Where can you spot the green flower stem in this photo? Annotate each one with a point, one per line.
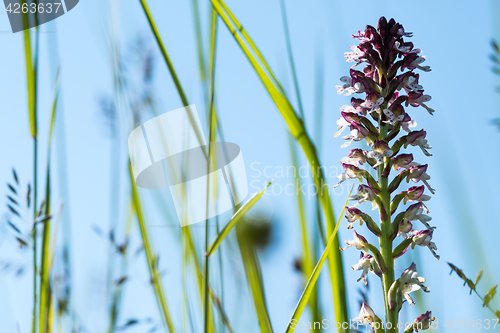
(391, 316)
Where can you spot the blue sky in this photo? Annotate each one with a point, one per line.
(455, 39)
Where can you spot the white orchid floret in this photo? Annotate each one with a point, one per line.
(415, 212)
(410, 281)
(355, 157)
(348, 109)
(366, 315)
(356, 55)
(409, 82)
(391, 117)
(364, 194)
(356, 88)
(416, 63)
(342, 124)
(364, 264)
(404, 49)
(423, 238)
(380, 150)
(355, 135)
(405, 125)
(358, 241)
(373, 106)
(418, 173)
(417, 139)
(347, 82)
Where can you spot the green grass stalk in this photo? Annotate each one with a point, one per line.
(45, 267)
(150, 256)
(31, 78)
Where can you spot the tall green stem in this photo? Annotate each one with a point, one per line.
(391, 316)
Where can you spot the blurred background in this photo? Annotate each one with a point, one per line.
(112, 75)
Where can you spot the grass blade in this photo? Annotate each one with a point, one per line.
(298, 131)
(150, 256)
(171, 69)
(235, 219)
(306, 294)
(45, 267)
(254, 279)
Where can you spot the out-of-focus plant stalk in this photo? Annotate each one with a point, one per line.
(45, 295)
(31, 76)
(150, 256)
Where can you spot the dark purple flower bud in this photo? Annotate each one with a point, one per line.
(382, 26)
(412, 61)
(412, 137)
(398, 31)
(351, 118)
(370, 71)
(402, 161)
(361, 83)
(417, 138)
(356, 103)
(416, 193)
(423, 322)
(357, 154)
(416, 172)
(373, 58)
(373, 37)
(419, 99)
(362, 131)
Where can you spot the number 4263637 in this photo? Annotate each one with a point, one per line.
(471, 324)
(33, 8)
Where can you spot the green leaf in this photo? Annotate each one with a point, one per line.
(489, 296)
(31, 74)
(478, 277)
(235, 219)
(314, 277)
(401, 248)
